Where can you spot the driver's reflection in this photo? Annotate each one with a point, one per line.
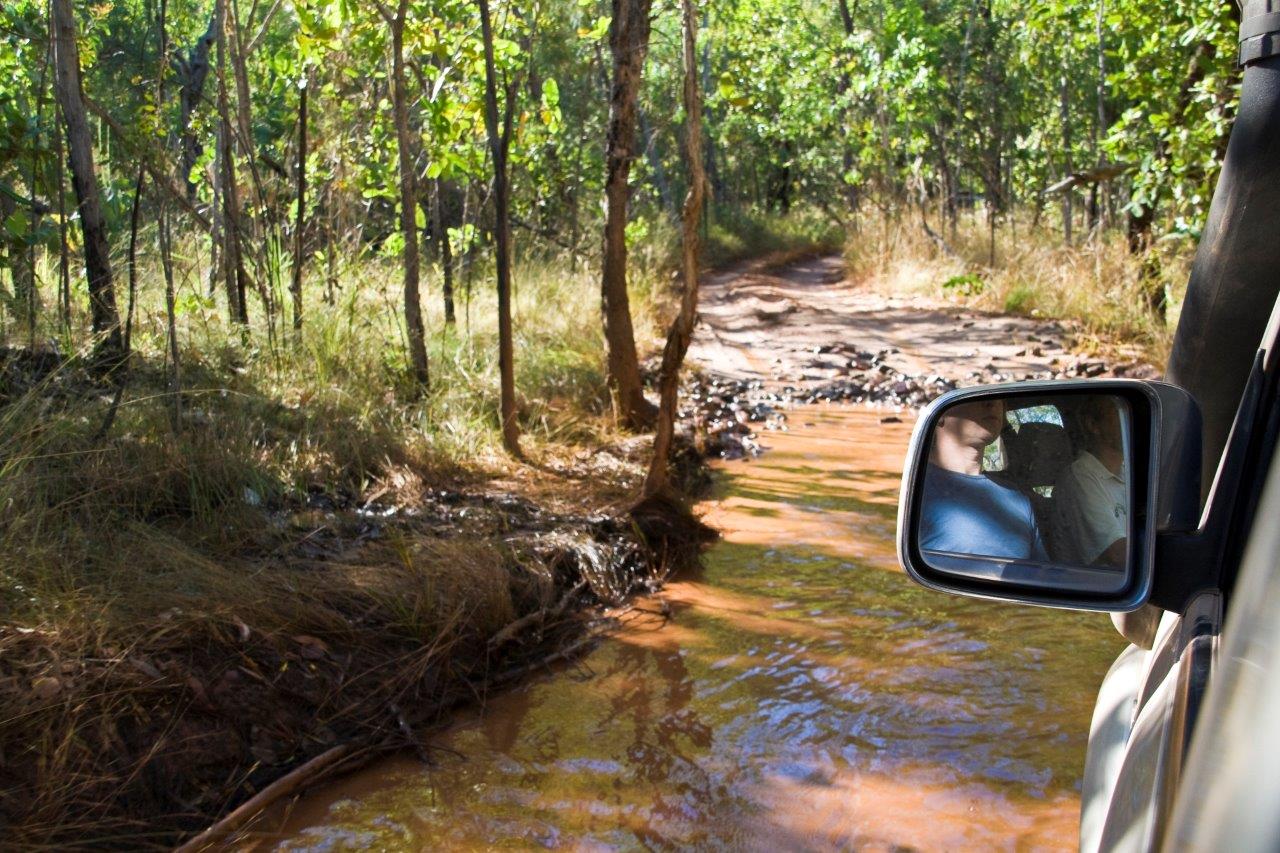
(1091, 501)
(965, 511)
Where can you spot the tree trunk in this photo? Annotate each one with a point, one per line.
(93, 226)
(408, 203)
(193, 70)
(64, 248)
(993, 171)
(330, 247)
(962, 80)
(25, 286)
(135, 209)
(498, 142)
(440, 229)
(715, 181)
(628, 42)
(1064, 111)
(657, 481)
(8, 206)
(244, 100)
(1150, 273)
(656, 167)
(847, 153)
(1095, 207)
(295, 288)
(229, 251)
(232, 263)
(216, 225)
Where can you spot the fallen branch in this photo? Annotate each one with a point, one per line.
(555, 657)
(538, 616)
(296, 779)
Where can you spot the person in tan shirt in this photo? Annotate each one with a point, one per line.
(1092, 498)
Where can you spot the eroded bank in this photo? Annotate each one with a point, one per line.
(800, 693)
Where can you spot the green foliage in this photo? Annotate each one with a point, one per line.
(918, 102)
(914, 108)
(968, 284)
(735, 235)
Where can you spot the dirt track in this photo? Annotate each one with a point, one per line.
(799, 323)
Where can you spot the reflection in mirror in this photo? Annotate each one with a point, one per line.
(1027, 480)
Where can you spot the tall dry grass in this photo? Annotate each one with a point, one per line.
(1097, 285)
(185, 614)
(178, 627)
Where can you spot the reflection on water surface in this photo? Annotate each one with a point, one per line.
(801, 693)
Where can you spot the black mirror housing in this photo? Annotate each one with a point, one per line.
(1049, 493)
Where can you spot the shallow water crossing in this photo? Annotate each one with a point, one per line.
(801, 693)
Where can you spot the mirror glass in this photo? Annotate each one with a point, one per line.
(1032, 490)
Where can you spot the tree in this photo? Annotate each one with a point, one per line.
(499, 142)
(234, 274)
(300, 176)
(193, 69)
(440, 234)
(408, 195)
(658, 478)
(629, 42)
(84, 179)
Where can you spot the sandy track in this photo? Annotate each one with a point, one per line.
(797, 325)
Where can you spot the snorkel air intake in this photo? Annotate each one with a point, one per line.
(1236, 275)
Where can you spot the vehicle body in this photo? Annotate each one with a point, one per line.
(1184, 746)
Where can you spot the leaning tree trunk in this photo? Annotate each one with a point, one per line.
(629, 42)
(498, 144)
(97, 260)
(408, 203)
(657, 481)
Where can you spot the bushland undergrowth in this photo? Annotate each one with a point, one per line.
(317, 553)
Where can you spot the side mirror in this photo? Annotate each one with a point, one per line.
(1049, 493)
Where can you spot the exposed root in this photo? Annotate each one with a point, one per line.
(673, 533)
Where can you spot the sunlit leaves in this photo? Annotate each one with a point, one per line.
(597, 31)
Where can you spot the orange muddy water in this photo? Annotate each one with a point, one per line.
(799, 693)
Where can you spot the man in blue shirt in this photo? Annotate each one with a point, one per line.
(964, 511)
